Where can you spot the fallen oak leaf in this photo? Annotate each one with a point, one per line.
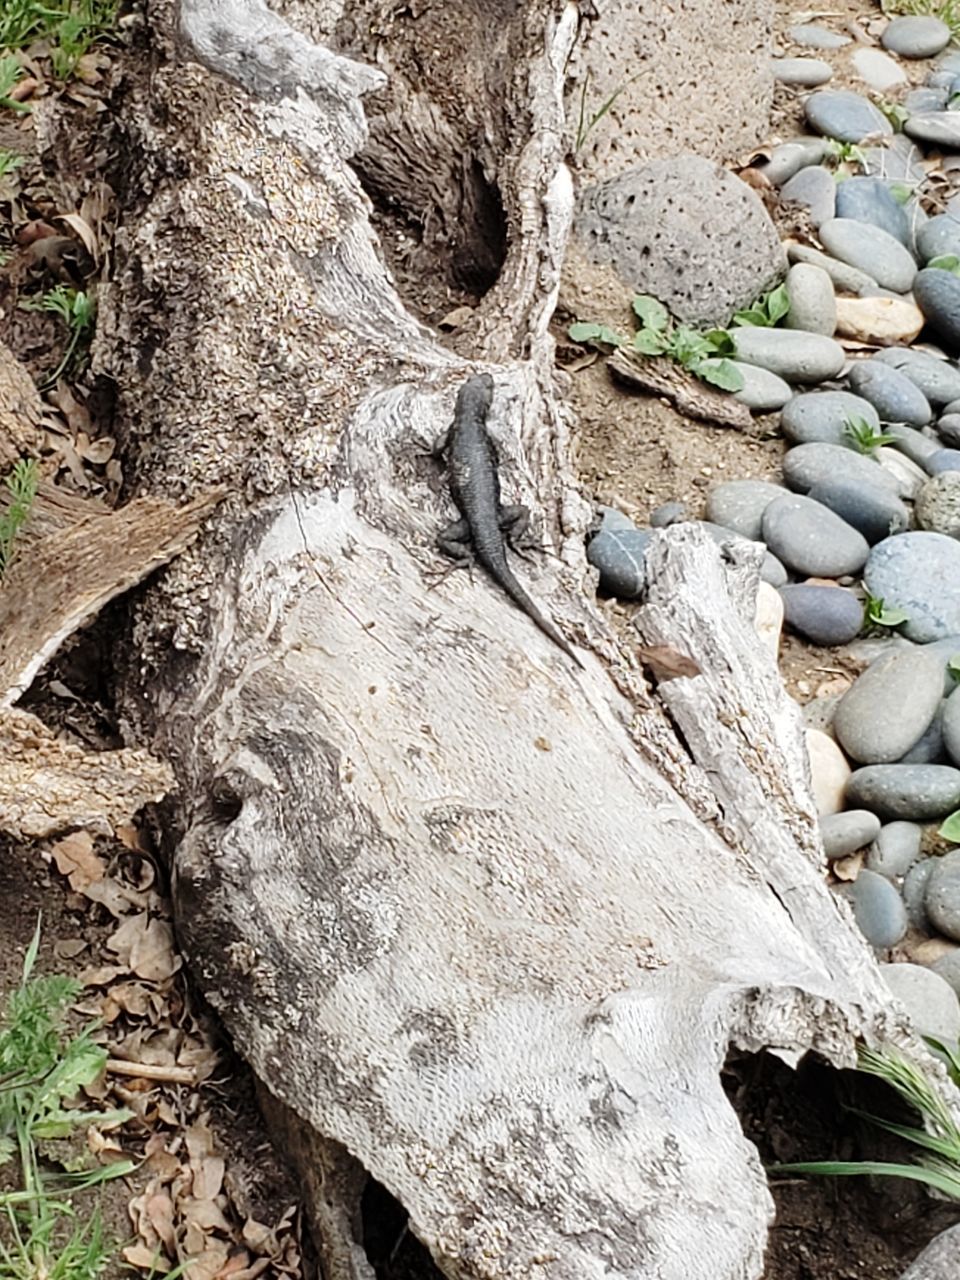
(77, 861)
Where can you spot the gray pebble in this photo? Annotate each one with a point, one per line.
(895, 849)
(930, 1002)
(892, 394)
(889, 706)
(872, 511)
(919, 101)
(807, 72)
(810, 539)
(814, 187)
(813, 305)
(918, 572)
(914, 892)
(937, 294)
(948, 648)
(668, 513)
(948, 428)
(916, 792)
(881, 72)
(948, 967)
(772, 571)
(909, 478)
(797, 357)
(943, 461)
(949, 62)
(951, 727)
(824, 615)
(943, 895)
(791, 157)
(845, 833)
(938, 504)
(939, 380)
(939, 236)
(813, 36)
(762, 391)
(738, 505)
(619, 554)
(847, 279)
(916, 36)
(928, 749)
(913, 444)
(824, 416)
(844, 115)
(870, 200)
(942, 128)
(810, 464)
(877, 908)
(870, 249)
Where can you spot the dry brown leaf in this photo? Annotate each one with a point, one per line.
(86, 233)
(78, 419)
(132, 997)
(847, 868)
(250, 1272)
(146, 945)
(129, 837)
(117, 897)
(208, 1177)
(199, 1140)
(69, 948)
(145, 1258)
(77, 861)
(209, 1263)
(100, 975)
(159, 1211)
(205, 1214)
(97, 451)
(259, 1237)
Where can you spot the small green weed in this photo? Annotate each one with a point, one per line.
(702, 354)
(766, 311)
(76, 309)
(895, 112)
(946, 262)
(584, 125)
(41, 1071)
(10, 73)
(9, 162)
(843, 155)
(939, 1138)
(877, 614)
(70, 26)
(21, 485)
(863, 436)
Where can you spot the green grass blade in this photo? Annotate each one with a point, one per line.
(949, 1185)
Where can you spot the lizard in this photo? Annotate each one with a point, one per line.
(486, 524)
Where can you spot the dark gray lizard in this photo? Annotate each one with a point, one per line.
(486, 525)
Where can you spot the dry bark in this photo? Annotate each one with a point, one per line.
(483, 924)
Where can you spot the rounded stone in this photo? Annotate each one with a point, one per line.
(919, 101)
(806, 72)
(870, 200)
(810, 464)
(948, 968)
(870, 249)
(824, 416)
(941, 128)
(949, 650)
(809, 538)
(918, 572)
(823, 615)
(881, 72)
(790, 158)
(877, 908)
(892, 394)
(619, 554)
(772, 571)
(937, 294)
(815, 188)
(938, 237)
(762, 391)
(889, 706)
(948, 429)
(795, 356)
(938, 504)
(845, 833)
(914, 892)
(895, 849)
(813, 305)
(837, 113)
(913, 444)
(943, 461)
(943, 895)
(909, 478)
(937, 379)
(930, 1001)
(739, 505)
(668, 513)
(928, 748)
(829, 772)
(878, 320)
(848, 279)
(813, 36)
(950, 725)
(874, 512)
(916, 36)
(686, 231)
(915, 792)
(768, 617)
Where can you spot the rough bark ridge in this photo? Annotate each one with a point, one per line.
(488, 924)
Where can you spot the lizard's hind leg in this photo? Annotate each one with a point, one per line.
(515, 523)
(454, 542)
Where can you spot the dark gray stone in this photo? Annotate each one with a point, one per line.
(943, 460)
(816, 188)
(938, 504)
(951, 727)
(892, 394)
(668, 513)
(916, 36)
(943, 895)
(762, 391)
(877, 908)
(619, 554)
(812, 36)
(845, 833)
(928, 749)
(918, 572)
(909, 477)
(948, 967)
(937, 379)
(847, 279)
(738, 505)
(824, 615)
(810, 464)
(797, 357)
(772, 571)
(895, 849)
(914, 892)
(870, 200)
(806, 72)
(948, 648)
(942, 128)
(878, 70)
(948, 429)
(915, 792)
(870, 249)
(837, 113)
(809, 538)
(919, 101)
(824, 416)
(889, 706)
(686, 231)
(874, 512)
(913, 444)
(937, 294)
(939, 236)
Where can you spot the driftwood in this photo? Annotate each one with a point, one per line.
(485, 926)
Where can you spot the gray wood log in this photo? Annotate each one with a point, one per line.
(485, 926)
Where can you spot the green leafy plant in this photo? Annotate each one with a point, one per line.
(42, 1071)
(946, 262)
(10, 73)
(702, 354)
(9, 162)
(21, 486)
(863, 435)
(953, 666)
(877, 614)
(76, 309)
(70, 27)
(901, 191)
(584, 125)
(766, 311)
(895, 112)
(842, 154)
(939, 1138)
(949, 829)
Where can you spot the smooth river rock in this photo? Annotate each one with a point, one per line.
(829, 772)
(895, 849)
(789, 158)
(845, 833)
(943, 895)
(892, 394)
(938, 237)
(814, 36)
(870, 249)
(889, 706)
(806, 72)
(870, 200)
(815, 187)
(916, 36)
(878, 321)
(951, 727)
(795, 356)
(914, 792)
(824, 615)
(941, 128)
(937, 294)
(871, 510)
(824, 416)
(813, 304)
(918, 572)
(877, 908)
(930, 1001)
(849, 279)
(837, 113)
(739, 505)
(810, 464)
(810, 539)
